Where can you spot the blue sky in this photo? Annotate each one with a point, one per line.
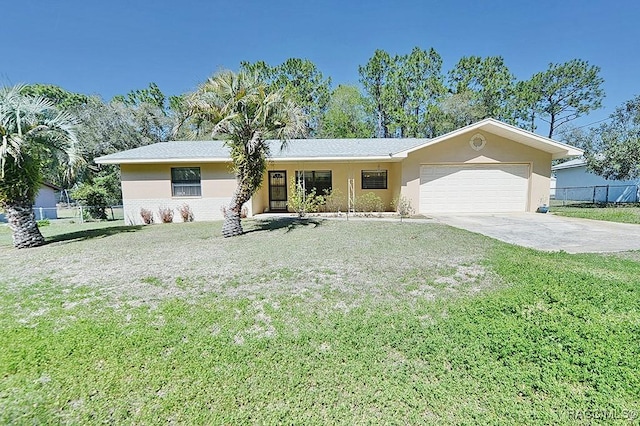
(111, 47)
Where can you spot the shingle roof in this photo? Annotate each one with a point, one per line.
(570, 164)
(333, 149)
(294, 149)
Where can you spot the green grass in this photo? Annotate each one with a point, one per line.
(623, 213)
(315, 323)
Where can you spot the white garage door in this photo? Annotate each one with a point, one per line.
(482, 188)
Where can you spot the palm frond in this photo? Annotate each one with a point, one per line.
(27, 122)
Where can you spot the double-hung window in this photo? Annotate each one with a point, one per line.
(185, 182)
(374, 179)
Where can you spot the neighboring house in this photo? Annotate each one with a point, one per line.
(575, 183)
(486, 167)
(45, 204)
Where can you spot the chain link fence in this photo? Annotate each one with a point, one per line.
(76, 212)
(598, 194)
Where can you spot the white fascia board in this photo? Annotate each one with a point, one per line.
(389, 158)
(228, 160)
(160, 160)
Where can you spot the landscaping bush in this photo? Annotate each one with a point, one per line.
(302, 202)
(369, 202)
(186, 213)
(166, 214)
(402, 206)
(147, 216)
(333, 200)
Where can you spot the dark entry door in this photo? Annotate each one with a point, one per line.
(278, 191)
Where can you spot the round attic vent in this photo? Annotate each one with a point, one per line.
(477, 142)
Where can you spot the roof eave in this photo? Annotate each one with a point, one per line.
(159, 160)
(574, 152)
(389, 158)
(385, 158)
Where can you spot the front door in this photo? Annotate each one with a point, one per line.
(278, 191)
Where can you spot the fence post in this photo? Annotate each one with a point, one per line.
(81, 215)
(41, 213)
(593, 201)
(112, 217)
(606, 199)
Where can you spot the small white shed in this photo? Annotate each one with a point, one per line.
(45, 204)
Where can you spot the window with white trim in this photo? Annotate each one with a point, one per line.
(185, 182)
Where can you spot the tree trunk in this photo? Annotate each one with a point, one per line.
(23, 224)
(232, 225)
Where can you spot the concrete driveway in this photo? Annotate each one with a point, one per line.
(549, 232)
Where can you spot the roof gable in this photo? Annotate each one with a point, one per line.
(516, 134)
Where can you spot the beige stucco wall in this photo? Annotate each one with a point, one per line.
(497, 150)
(149, 186)
(341, 172)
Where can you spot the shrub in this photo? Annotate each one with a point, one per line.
(147, 216)
(166, 214)
(369, 202)
(402, 206)
(333, 200)
(186, 213)
(94, 197)
(302, 202)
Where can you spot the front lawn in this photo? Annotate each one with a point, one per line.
(621, 213)
(315, 322)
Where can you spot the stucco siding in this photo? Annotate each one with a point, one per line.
(149, 186)
(341, 172)
(497, 150)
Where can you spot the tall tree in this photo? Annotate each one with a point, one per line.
(458, 110)
(346, 115)
(245, 113)
(149, 111)
(488, 83)
(375, 76)
(151, 95)
(301, 82)
(613, 149)
(108, 127)
(416, 87)
(565, 92)
(32, 129)
(61, 98)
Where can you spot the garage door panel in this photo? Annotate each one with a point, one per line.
(474, 188)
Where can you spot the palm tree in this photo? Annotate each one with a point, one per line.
(245, 114)
(33, 132)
